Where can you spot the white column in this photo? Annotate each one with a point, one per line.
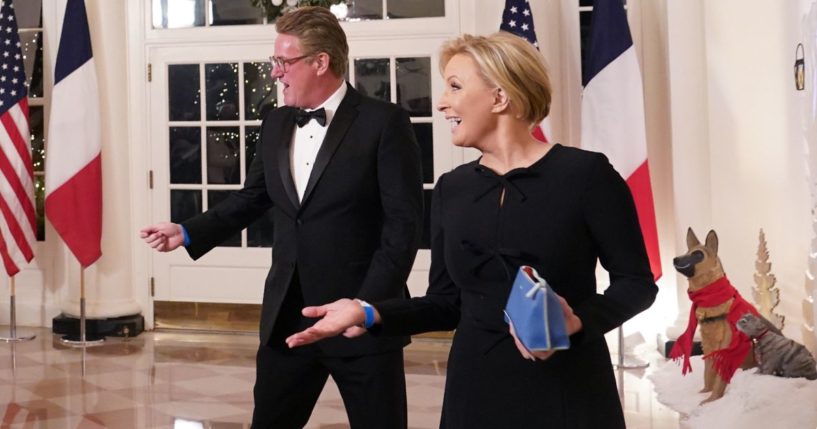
(108, 288)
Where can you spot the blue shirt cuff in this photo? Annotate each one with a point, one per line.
(185, 235)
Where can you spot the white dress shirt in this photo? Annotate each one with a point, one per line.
(307, 141)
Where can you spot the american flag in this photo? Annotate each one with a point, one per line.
(517, 19)
(18, 228)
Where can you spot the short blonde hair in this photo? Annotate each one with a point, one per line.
(318, 30)
(511, 63)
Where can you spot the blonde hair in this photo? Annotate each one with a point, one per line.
(510, 63)
(318, 31)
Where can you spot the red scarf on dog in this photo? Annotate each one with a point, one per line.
(726, 360)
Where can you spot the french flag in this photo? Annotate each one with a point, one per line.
(613, 112)
(73, 170)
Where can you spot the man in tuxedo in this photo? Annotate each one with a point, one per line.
(341, 175)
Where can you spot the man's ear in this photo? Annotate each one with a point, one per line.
(501, 101)
(321, 63)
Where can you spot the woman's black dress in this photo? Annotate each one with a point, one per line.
(560, 215)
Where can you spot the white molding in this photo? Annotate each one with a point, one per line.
(139, 155)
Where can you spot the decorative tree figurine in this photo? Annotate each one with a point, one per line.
(810, 286)
(765, 294)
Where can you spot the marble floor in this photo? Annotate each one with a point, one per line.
(204, 381)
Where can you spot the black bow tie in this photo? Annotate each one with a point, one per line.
(302, 117)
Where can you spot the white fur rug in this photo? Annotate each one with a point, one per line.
(752, 401)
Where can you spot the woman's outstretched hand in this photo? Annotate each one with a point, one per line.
(344, 316)
(572, 323)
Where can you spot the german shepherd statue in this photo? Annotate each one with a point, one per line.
(716, 306)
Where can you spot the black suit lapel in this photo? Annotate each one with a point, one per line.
(346, 114)
(285, 140)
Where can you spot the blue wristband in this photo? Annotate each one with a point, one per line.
(185, 235)
(368, 310)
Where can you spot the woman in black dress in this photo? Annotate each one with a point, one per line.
(556, 208)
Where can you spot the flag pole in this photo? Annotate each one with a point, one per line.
(13, 338)
(630, 363)
(83, 340)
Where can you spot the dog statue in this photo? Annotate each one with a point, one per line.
(716, 306)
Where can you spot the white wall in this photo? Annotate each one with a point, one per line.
(737, 140)
(110, 291)
(757, 169)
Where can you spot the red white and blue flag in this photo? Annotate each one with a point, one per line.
(18, 226)
(517, 19)
(613, 112)
(73, 169)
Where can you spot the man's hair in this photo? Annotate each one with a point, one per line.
(318, 31)
(511, 63)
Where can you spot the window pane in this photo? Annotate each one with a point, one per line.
(213, 198)
(414, 85)
(185, 155)
(178, 13)
(415, 8)
(259, 90)
(32, 47)
(35, 120)
(184, 94)
(372, 78)
(426, 141)
(39, 200)
(425, 240)
(184, 205)
(235, 12)
(29, 13)
(251, 137)
(364, 10)
(221, 84)
(260, 233)
(223, 163)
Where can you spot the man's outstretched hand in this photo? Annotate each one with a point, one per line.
(163, 236)
(344, 316)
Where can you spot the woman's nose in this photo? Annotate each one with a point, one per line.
(442, 104)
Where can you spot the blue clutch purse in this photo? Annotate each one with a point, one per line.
(535, 312)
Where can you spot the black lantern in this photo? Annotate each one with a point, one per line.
(799, 68)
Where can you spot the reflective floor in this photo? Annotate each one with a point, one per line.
(182, 380)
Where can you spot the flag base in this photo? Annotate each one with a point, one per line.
(697, 349)
(124, 326)
(17, 339)
(77, 341)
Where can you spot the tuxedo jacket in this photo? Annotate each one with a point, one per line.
(356, 230)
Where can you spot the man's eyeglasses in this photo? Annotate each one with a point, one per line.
(282, 62)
